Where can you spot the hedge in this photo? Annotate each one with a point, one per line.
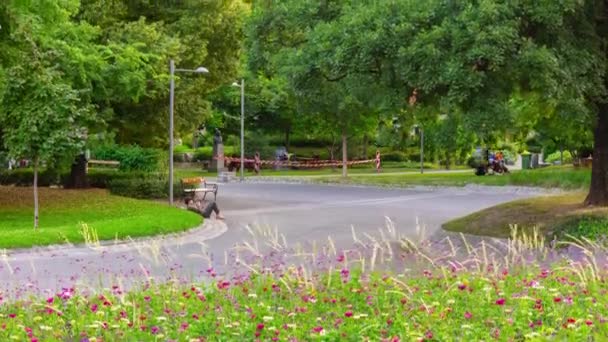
(131, 157)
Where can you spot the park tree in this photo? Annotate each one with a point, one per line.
(43, 114)
(140, 37)
(293, 40)
(471, 57)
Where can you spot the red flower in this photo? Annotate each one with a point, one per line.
(348, 314)
(500, 301)
(557, 299)
(461, 287)
(94, 308)
(589, 322)
(260, 326)
(12, 315)
(317, 329)
(428, 334)
(571, 320)
(50, 300)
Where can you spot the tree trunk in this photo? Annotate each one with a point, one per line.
(344, 155)
(78, 174)
(35, 193)
(365, 142)
(287, 142)
(598, 193)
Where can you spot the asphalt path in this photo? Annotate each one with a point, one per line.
(298, 213)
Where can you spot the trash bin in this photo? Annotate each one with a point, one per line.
(526, 160)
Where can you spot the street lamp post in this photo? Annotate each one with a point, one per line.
(172, 71)
(242, 86)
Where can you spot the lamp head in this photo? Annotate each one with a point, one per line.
(201, 70)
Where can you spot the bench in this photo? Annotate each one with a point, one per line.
(198, 185)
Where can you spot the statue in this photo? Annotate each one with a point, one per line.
(217, 163)
(217, 138)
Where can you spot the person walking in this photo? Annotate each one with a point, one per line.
(378, 161)
(256, 163)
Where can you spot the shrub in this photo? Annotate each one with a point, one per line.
(25, 177)
(555, 156)
(101, 178)
(131, 157)
(396, 156)
(181, 149)
(145, 188)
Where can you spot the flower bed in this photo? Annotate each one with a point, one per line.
(442, 304)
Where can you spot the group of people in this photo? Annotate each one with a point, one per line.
(496, 162)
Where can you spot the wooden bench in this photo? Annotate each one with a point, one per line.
(198, 185)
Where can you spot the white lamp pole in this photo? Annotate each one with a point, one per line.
(172, 70)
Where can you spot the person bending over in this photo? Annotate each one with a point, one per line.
(204, 208)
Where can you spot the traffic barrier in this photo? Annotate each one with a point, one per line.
(305, 164)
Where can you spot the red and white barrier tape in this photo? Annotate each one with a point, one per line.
(311, 164)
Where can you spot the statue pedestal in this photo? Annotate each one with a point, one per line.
(217, 165)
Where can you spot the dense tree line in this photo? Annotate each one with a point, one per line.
(468, 71)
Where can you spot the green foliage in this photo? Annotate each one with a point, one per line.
(25, 177)
(589, 227)
(131, 157)
(101, 178)
(396, 156)
(143, 188)
(556, 156)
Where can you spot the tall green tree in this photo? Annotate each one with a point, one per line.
(141, 36)
(43, 115)
(293, 39)
(470, 57)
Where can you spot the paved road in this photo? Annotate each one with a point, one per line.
(302, 213)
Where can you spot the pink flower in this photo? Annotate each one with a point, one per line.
(500, 301)
(94, 308)
(468, 315)
(317, 329)
(12, 315)
(348, 314)
(147, 298)
(50, 300)
(154, 330)
(461, 287)
(589, 322)
(260, 326)
(428, 334)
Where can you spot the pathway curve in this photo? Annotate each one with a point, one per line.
(302, 213)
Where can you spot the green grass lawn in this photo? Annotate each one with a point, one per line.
(551, 177)
(552, 216)
(63, 211)
(367, 169)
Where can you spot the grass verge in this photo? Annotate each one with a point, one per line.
(62, 213)
(551, 177)
(554, 217)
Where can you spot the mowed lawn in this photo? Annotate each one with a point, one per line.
(63, 212)
(569, 178)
